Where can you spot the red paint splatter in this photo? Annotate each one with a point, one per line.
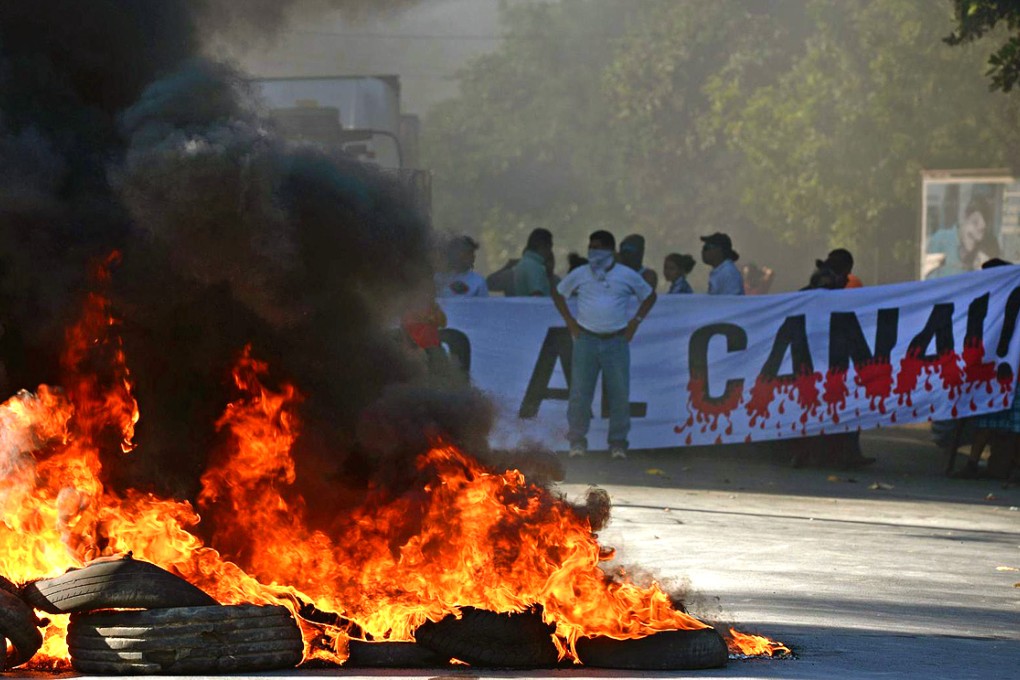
(806, 385)
(946, 365)
(762, 395)
(876, 379)
(803, 388)
(977, 371)
(707, 411)
(835, 393)
(910, 369)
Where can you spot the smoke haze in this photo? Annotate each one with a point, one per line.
(117, 135)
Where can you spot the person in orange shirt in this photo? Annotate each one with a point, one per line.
(842, 262)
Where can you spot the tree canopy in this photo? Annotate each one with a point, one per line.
(974, 18)
(793, 125)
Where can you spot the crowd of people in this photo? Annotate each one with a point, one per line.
(533, 274)
(606, 282)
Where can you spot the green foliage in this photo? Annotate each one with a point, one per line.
(974, 18)
(526, 144)
(835, 148)
(795, 125)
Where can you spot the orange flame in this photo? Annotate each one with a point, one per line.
(746, 644)
(466, 536)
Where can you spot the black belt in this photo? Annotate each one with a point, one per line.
(605, 336)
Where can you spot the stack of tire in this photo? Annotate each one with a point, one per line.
(174, 627)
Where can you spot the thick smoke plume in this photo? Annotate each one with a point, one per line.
(115, 134)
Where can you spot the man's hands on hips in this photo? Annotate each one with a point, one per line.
(573, 327)
(631, 329)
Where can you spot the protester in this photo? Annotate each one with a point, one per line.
(757, 280)
(632, 254)
(502, 280)
(838, 450)
(550, 271)
(717, 252)
(459, 280)
(675, 269)
(824, 277)
(842, 262)
(531, 275)
(574, 261)
(602, 333)
(421, 326)
(1002, 427)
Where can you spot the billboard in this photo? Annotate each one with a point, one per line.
(968, 218)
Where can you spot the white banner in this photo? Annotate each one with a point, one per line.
(738, 369)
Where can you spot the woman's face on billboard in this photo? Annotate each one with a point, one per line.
(972, 231)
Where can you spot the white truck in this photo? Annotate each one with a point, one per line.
(358, 116)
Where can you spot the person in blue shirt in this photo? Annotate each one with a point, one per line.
(675, 270)
(632, 254)
(531, 274)
(717, 252)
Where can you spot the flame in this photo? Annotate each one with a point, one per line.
(746, 644)
(465, 536)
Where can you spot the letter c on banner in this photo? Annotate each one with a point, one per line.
(697, 357)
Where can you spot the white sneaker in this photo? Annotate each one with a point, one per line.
(577, 451)
(617, 452)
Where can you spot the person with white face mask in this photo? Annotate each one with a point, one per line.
(602, 332)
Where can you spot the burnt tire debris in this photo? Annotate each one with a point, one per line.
(121, 583)
(679, 650)
(392, 655)
(208, 639)
(484, 638)
(18, 625)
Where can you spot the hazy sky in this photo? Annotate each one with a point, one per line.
(424, 45)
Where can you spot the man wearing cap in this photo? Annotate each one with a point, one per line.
(717, 252)
(459, 280)
(602, 332)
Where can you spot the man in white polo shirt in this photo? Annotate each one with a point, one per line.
(602, 332)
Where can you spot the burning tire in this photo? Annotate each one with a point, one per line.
(392, 655)
(18, 625)
(216, 639)
(672, 650)
(484, 638)
(126, 583)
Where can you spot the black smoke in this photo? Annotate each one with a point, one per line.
(116, 134)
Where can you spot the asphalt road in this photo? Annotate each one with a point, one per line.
(893, 571)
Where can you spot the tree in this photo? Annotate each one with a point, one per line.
(794, 125)
(834, 149)
(526, 144)
(974, 18)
